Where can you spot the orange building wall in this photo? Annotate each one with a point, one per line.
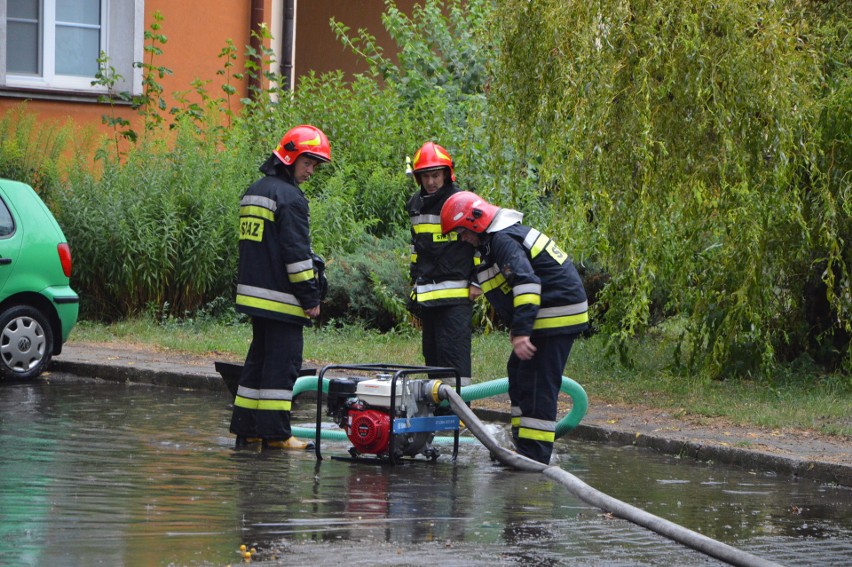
(318, 50)
(201, 29)
(195, 36)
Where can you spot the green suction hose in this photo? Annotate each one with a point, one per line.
(569, 386)
(308, 383)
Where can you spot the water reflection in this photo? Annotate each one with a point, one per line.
(133, 475)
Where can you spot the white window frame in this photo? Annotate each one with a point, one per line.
(120, 19)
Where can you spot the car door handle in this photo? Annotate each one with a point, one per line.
(4, 261)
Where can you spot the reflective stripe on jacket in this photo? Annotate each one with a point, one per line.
(531, 283)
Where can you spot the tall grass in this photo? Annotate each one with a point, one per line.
(156, 231)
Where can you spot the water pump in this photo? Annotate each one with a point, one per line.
(390, 415)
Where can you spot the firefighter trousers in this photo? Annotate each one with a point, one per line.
(265, 393)
(533, 391)
(446, 336)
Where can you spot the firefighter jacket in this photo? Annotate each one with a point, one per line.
(531, 283)
(276, 278)
(442, 266)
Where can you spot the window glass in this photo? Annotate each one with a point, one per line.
(22, 35)
(77, 51)
(7, 225)
(78, 37)
(25, 9)
(79, 12)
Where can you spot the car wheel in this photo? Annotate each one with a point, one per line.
(26, 342)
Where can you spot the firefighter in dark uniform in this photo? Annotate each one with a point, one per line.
(279, 285)
(442, 266)
(535, 287)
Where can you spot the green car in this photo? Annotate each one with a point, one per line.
(38, 308)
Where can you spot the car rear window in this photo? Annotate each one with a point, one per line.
(7, 224)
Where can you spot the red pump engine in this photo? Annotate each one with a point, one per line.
(368, 429)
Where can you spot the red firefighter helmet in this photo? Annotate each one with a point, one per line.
(304, 139)
(431, 156)
(467, 210)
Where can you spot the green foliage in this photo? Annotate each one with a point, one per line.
(151, 103)
(369, 284)
(440, 46)
(31, 151)
(229, 56)
(336, 226)
(368, 149)
(439, 83)
(158, 229)
(108, 77)
(688, 140)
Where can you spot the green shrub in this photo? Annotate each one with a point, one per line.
(369, 285)
(158, 229)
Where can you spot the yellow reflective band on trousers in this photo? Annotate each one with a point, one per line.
(515, 412)
(536, 435)
(537, 429)
(247, 403)
(269, 305)
(274, 405)
(267, 405)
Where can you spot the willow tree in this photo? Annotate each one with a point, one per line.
(700, 152)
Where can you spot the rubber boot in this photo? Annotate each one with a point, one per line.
(290, 444)
(246, 441)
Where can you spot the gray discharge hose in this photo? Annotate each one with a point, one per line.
(586, 493)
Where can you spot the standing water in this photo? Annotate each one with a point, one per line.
(98, 473)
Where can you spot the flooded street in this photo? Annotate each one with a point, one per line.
(98, 473)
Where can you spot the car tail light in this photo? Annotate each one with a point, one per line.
(65, 257)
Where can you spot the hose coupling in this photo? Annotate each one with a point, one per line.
(435, 386)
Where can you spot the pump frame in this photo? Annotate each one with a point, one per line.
(422, 424)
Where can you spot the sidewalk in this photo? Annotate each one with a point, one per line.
(796, 454)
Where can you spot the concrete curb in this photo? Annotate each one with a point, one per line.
(167, 372)
(157, 377)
